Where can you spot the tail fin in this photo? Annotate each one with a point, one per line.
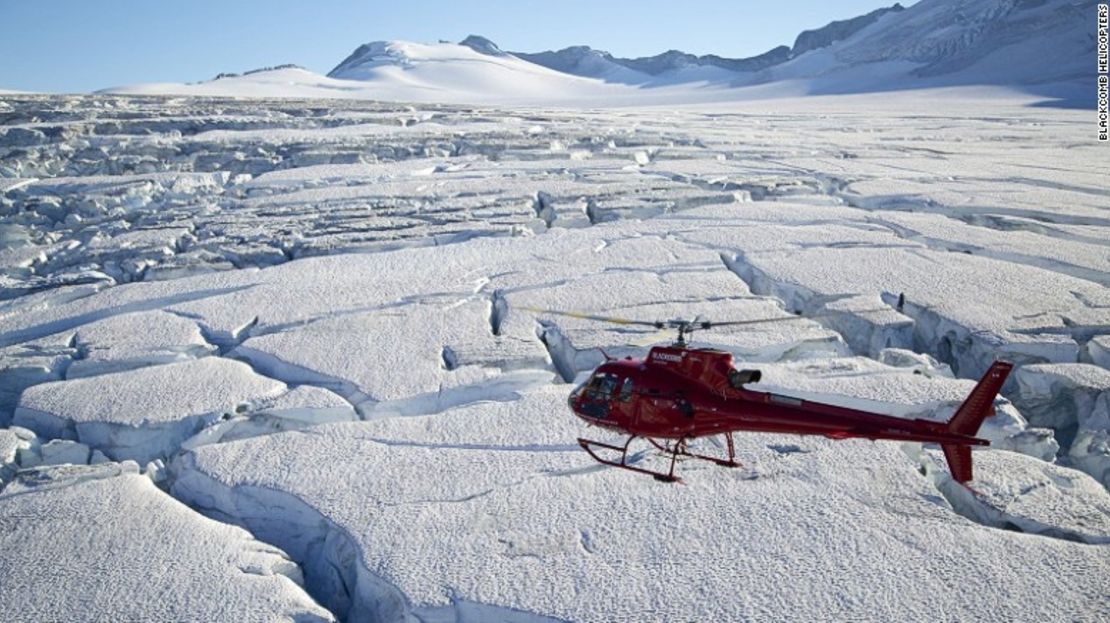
(979, 403)
(959, 461)
(969, 417)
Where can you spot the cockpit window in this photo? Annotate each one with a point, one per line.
(608, 384)
(626, 390)
(601, 387)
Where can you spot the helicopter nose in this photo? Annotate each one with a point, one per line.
(572, 399)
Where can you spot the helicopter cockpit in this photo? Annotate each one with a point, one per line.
(599, 392)
(601, 386)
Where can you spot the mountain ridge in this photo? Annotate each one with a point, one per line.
(1041, 47)
(566, 59)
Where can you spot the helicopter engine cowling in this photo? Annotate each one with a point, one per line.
(739, 378)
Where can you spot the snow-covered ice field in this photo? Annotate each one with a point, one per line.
(307, 319)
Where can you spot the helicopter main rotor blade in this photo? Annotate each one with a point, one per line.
(585, 316)
(688, 326)
(732, 323)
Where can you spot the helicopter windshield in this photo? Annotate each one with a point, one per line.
(601, 386)
(597, 394)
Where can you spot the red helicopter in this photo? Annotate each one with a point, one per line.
(677, 394)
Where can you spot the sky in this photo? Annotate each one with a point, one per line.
(77, 46)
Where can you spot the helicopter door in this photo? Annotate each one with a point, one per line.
(626, 390)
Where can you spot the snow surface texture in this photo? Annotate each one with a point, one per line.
(307, 319)
(104, 544)
(13, 442)
(146, 413)
(526, 522)
(136, 340)
(1016, 492)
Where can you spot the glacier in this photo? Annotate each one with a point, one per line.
(528, 524)
(103, 543)
(313, 320)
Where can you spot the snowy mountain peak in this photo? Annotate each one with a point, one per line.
(667, 61)
(838, 30)
(482, 45)
(582, 60)
(473, 69)
(260, 70)
(373, 53)
(370, 59)
(1025, 41)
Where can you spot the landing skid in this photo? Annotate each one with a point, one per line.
(679, 449)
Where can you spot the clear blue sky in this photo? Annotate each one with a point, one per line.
(83, 45)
